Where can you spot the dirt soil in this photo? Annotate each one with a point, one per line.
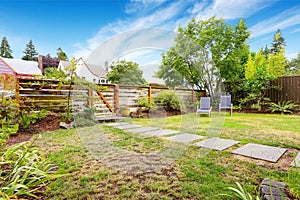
(49, 123)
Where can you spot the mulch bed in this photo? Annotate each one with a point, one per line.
(49, 123)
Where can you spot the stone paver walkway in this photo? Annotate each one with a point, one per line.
(117, 124)
(185, 138)
(161, 132)
(259, 151)
(143, 129)
(127, 126)
(217, 143)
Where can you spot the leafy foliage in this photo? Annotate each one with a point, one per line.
(145, 101)
(48, 61)
(282, 107)
(294, 180)
(30, 52)
(24, 171)
(203, 48)
(5, 50)
(61, 55)
(126, 72)
(169, 100)
(278, 42)
(240, 193)
(260, 71)
(55, 73)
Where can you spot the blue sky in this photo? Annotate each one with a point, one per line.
(80, 26)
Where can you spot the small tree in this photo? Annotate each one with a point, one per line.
(30, 52)
(259, 73)
(126, 72)
(5, 50)
(61, 55)
(71, 74)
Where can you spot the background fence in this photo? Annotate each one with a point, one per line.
(109, 99)
(289, 89)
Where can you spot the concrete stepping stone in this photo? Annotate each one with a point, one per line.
(128, 126)
(142, 129)
(115, 124)
(185, 138)
(161, 132)
(259, 151)
(217, 143)
(297, 159)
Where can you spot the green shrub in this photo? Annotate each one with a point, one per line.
(81, 122)
(144, 101)
(168, 100)
(282, 107)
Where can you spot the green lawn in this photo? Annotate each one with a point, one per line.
(93, 158)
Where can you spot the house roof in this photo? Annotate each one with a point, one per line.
(23, 66)
(100, 71)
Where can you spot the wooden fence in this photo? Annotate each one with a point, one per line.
(107, 99)
(115, 97)
(48, 94)
(288, 89)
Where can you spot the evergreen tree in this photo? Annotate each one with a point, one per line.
(266, 51)
(278, 42)
(5, 50)
(30, 52)
(61, 55)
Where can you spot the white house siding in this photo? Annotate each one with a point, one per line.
(83, 71)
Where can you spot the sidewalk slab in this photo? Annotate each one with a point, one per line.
(259, 151)
(161, 132)
(185, 138)
(297, 159)
(128, 126)
(115, 124)
(217, 143)
(142, 129)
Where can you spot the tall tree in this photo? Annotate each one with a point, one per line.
(61, 55)
(278, 42)
(30, 52)
(5, 50)
(126, 72)
(205, 47)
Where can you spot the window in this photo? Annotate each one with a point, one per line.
(102, 81)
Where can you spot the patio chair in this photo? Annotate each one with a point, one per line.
(204, 107)
(226, 103)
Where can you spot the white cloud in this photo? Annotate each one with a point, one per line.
(290, 56)
(142, 6)
(285, 19)
(163, 17)
(296, 30)
(170, 14)
(230, 9)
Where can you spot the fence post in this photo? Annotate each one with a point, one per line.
(90, 98)
(116, 98)
(149, 94)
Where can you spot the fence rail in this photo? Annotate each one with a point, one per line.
(52, 95)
